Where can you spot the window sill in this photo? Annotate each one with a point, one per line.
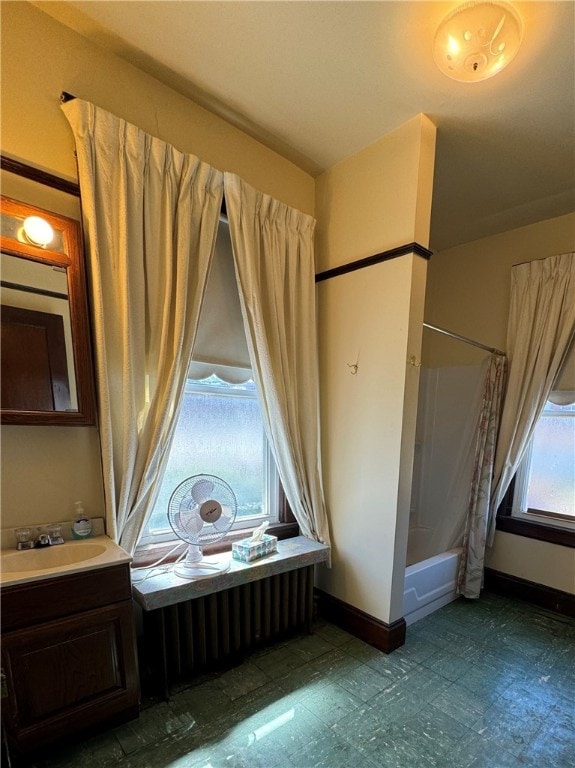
(167, 589)
(151, 553)
(540, 531)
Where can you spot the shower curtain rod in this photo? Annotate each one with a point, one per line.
(457, 336)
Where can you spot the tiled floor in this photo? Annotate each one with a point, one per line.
(488, 684)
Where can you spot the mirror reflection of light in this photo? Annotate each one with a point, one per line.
(273, 725)
(38, 231)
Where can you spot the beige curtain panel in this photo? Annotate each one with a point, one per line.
(150, 217)
(274, 258)
(539, 334)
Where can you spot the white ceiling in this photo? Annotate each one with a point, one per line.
(317, 81)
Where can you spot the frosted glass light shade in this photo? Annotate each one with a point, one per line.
(38, 231)
(477, 40)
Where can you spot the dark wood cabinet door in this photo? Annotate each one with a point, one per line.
(34, 369)
(69, 674)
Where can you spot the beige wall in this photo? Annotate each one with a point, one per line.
(468, 292)
(41, 58)
(536, 561)
(468, 286)
(373, 201)
(46, 469)
(377, 199)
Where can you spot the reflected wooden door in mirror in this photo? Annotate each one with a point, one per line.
(46, 358)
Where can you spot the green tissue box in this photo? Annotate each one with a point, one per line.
(246, 551)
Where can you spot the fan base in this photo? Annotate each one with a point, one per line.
(205, 568)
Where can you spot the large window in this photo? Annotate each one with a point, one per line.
(545, 480)
(220, 432)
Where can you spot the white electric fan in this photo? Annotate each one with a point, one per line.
(201, 511)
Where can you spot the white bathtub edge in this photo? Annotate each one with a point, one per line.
(430, 585)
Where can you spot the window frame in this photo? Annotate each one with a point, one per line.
(537, 524)
(155, 544)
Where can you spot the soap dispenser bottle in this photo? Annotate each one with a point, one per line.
(82, 525)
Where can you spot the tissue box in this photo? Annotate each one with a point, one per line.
(246, 551)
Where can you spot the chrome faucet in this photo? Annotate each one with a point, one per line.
(45, 537)
(42, 540)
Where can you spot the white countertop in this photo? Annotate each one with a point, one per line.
(21, 567)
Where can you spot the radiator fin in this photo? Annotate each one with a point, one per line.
(211, 632)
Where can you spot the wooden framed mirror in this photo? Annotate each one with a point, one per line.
(47, 376)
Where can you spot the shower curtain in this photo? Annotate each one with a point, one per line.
(457, 424)
(470, 575)
(449, 406)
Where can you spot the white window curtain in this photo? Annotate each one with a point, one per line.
(150, 218)
(274, 258)
(540, 330)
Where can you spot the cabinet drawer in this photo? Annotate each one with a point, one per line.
(54, 598)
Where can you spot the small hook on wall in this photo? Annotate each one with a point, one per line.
(353, 368)
(413, 361)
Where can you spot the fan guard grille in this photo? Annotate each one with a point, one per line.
(191, 496)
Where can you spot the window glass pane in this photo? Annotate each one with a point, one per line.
(219, 432)
(552, 477)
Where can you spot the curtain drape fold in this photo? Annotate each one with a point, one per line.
(470, 577)
(540, 330)
(150, 219)
(274, 259)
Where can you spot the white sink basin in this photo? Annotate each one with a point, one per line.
(50, 557)
(71, 557)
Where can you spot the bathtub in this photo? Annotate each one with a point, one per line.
(429, 585)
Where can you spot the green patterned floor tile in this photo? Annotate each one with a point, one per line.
(329, 752)
(399, 747)
(463, 705)
(513, 728)
(396, 705)
(364, 682)
(279, 663)
(361, 651)
(285, 728)
(334, 635)
(331, 703)
(417, 648)
(310, 647)
(318, 672)
(391, 666)
(552, 747)
(241, 680)
(478, 751)
(426, 684)
(154, 724)
(447, 665)
(479, 684)
(486, 681)
(203, 703)
(361, 727)
(431, 723)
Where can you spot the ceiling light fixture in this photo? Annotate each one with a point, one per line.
(477, 40)
(38, 231)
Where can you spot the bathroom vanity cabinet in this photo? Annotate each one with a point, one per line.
(69, 656)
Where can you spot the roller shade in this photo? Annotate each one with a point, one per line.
(220, 347)
(563, 392)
